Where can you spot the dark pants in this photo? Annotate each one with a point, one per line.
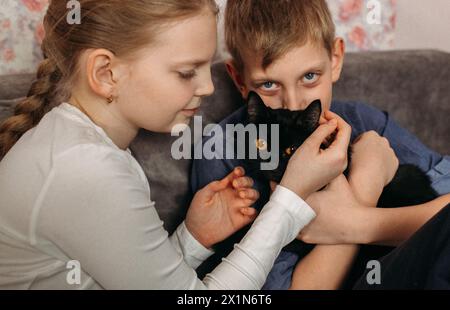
(422, 262)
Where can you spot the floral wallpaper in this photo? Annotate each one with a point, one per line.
(365, 25)
(21, 33)
(21, 30)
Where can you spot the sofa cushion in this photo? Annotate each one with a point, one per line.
(413, 86)
(15, 85)
(6, 107)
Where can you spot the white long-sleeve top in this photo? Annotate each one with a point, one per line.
(68, 193)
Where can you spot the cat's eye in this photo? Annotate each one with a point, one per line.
(310, 78)
(261, 144)
(289, 151)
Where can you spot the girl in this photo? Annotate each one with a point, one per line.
(71, 194)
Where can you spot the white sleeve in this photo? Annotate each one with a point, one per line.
(280, 221)
(98, 211)
(194, 252)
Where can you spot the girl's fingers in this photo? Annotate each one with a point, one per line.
(222, 184)
(243, 182)
(213, 187)
(250, 194)
(236, 173)
(273, 186)
(249, 211)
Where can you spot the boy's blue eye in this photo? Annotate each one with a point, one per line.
(310, 78)
(268, 86)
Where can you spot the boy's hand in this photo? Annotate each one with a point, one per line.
(339, 215)
(221, 208)
(373, 166)
(311, 167)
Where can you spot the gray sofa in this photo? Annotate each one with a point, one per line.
(414, 86)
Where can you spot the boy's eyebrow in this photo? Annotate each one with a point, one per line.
(315, 67)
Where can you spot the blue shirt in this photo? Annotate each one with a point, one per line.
(362, 118)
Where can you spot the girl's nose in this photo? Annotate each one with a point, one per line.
(206, 87)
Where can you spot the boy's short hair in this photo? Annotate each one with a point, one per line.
(270, 28)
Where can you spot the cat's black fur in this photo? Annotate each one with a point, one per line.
(410, 185)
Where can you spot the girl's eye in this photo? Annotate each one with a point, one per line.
(310, 78)
(268, 86)
(187, 75)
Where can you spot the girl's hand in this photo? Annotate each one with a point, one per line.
(221, 208)
(373, 166)
(339, 216)
(311, 168)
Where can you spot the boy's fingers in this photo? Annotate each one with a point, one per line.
(321, 134)
(344, 131)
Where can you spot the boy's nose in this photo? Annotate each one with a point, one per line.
(293, 102)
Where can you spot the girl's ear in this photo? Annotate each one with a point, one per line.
(99, 72)
(237, 78)
(337, 59)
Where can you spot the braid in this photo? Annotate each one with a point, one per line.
(132, 26)
(30, 111)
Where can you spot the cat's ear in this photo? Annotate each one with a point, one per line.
(310, 118)
(257, 110)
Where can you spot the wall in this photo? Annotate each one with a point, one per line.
(405, 24)
(423, 24)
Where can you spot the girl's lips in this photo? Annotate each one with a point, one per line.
(190, 112)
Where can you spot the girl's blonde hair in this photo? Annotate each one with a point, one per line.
(122, 27)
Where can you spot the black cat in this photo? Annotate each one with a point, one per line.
(410, 186)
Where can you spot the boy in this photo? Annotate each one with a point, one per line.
(286, 51)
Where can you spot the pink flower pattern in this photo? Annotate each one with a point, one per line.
(21, 30)
(351, 21)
